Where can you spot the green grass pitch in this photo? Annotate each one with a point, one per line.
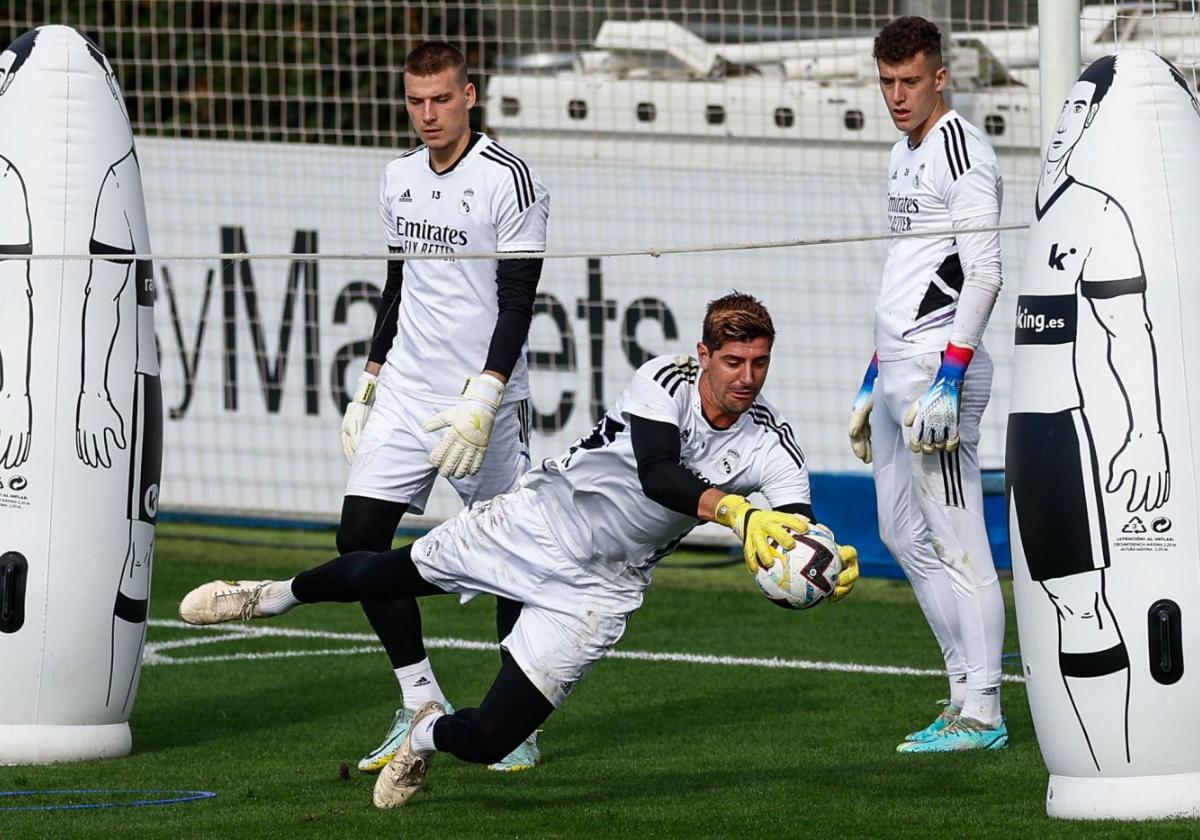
(644, 748)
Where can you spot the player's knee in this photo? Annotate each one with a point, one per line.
(354, 536)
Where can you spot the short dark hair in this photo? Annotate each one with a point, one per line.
(1101, 73)
(433, 57)
(736, 317)
(906, 37)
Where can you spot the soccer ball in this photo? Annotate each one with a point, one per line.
(806, 575)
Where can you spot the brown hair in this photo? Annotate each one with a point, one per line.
(736, 317)
(433, 57)
(906, 37)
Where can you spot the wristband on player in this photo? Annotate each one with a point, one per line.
(954, 362)
(364, 390)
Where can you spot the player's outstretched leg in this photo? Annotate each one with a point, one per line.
(236, 600)
(345, 579)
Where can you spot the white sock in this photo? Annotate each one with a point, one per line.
(983, 705)
(418, 685)
(277, 598)
(958, 690)
(422, 733)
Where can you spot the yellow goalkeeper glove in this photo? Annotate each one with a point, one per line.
(756, 528)
(849, 574)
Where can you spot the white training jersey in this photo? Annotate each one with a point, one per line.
(596, 482)
(490, 201)
(1099, 259)
(952, 175)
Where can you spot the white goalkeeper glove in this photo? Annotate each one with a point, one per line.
(462, 449)
(758, 528)
(860, 413)
(356, 413)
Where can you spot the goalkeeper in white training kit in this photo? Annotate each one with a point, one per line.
(931, 378)
(578, 541)
(446, 387)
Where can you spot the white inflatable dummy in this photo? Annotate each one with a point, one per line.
(1101, 455)
(80, 405)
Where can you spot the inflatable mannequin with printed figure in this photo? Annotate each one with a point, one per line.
(1100, 459)
(80, 404)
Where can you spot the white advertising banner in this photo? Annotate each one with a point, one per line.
(257, 355)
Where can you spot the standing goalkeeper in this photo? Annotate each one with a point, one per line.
(931, 379)
(446, 387)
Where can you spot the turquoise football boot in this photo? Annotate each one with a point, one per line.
(525, 757)
(378, 758)
(940, 722)
(961, 734)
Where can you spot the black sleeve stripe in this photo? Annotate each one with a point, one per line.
(951, 158)
(673, 374)
(411, 152)
(1105, 289)
(522, 167)
(518, 188)
(763, 417)
(962, 139)
(666, 369)
(522, 184)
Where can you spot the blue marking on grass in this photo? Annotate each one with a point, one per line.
(168, 797)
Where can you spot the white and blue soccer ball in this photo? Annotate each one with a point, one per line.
(806, 575)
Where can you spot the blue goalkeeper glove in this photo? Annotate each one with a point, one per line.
(934, 417)
(464, 446)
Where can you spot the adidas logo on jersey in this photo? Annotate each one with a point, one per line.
(406, 196)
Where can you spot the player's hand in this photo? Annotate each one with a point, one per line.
(934, 417)
(462, 449)
(860, 413)
(16, 417)
(849, 574)
(98, 427)
(1141, 462)
(356, 413)
(757, 528)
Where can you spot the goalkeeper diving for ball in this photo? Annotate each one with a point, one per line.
(577, 542)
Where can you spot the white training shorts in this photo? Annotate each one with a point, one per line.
(392, 459)
(571, 616)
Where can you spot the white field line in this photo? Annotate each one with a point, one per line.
(205, 636)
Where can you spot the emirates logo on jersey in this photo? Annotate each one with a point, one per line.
(467, 202)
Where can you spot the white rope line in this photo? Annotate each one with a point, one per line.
(153, 652)
(525, 255)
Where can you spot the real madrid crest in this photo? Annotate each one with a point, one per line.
(917, 177)
(729, 461)
(466, 202)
